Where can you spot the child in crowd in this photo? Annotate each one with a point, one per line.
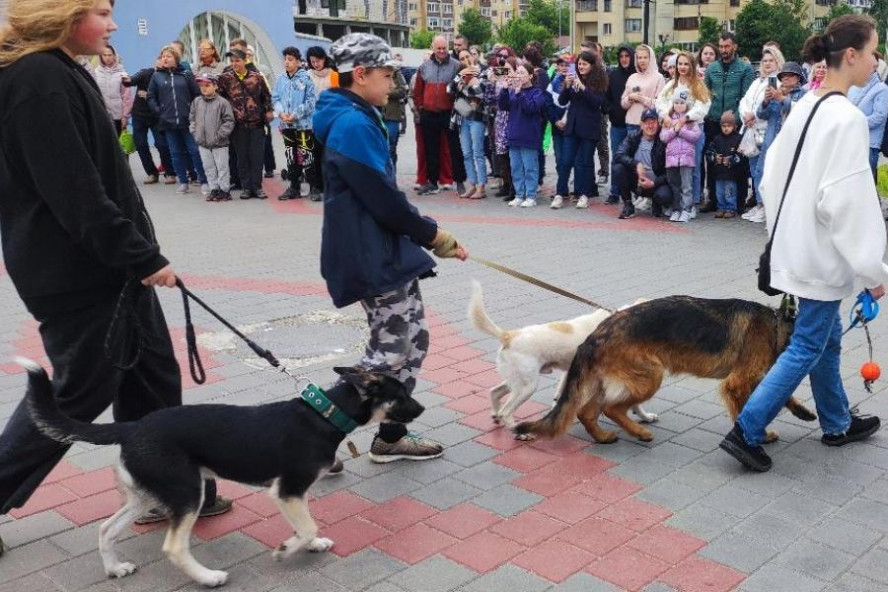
(524, 102)
(212, 121)
(680, 136)
(724, 161)
(294, 98)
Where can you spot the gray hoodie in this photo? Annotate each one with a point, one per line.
(212, 121)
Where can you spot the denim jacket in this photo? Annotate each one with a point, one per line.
(294, 95)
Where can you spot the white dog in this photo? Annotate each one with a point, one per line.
(526, 353)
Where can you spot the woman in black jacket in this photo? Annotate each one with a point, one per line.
(144, 120)
(616, 84)
(584, 93)
(76, 238)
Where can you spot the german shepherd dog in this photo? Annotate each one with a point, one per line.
(165, 456)
(623, 362)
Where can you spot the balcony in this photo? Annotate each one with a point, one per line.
(587, 5)
(634, 3)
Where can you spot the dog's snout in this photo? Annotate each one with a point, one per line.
(406, 411)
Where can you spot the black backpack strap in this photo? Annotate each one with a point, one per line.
(795, 161)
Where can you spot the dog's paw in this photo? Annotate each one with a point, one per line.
(645, 435)
(213, 578)
(525, 437)
(319, 545)
(605, 437)
(649, 418)
(497, 419)
(771, 436)
(121, 570)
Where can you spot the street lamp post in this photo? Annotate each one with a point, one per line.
(663, 37)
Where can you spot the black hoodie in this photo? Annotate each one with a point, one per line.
(617, 78)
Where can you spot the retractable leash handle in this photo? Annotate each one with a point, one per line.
(866, 309)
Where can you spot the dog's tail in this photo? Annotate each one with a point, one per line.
(798, 409)
(478, 315)
(53, 423)
(577, 390)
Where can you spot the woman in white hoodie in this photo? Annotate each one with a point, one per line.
(830, 233)
(642, 88)
(109, 75)
(772, 62)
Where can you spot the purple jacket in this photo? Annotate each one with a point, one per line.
(680, 147)
(525, 128)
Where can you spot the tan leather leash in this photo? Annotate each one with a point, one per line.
(537, 282)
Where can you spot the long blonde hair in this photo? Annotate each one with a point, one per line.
(38, 25)
(778, 57)
(696, 86)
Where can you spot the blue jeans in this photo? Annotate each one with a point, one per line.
(557, 145)
(814, 350)
(525, 171)
(756, 178)
(617, 135)
(394, 132)
(698, 169)
(578, 154)
(874, 163)
(726, 195)
(471, 140)
(182, 146)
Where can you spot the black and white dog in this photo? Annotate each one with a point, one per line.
(165, 456)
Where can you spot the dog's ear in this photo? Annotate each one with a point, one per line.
(358, 377)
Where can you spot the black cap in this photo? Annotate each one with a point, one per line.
(236, 53)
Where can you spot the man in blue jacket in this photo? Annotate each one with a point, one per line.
(373, 238)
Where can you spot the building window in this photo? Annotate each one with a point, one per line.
(434, 22)
(608, 29)
(413, 6)
(485, 11)
(819, 23)
(688, 23)
(447, 8)
(607, 5)
(432, 7)
(732, 25)
(414, 22)
(447, 23)
(508, 14)
(634, 3)
(633, 25)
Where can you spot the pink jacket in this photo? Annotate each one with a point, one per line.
(680, 146)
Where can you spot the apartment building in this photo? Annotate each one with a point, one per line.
(444, 16)
(611, 22)
(334, 18)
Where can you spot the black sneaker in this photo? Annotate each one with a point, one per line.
(628, 211)
(315, 196)
(224, 196)
(862, 427)
(220, 505)
(753, 457)
(260, 194)
(269, 174)
(429, 189)
(289, 193)
(613, 199)
(247, 194)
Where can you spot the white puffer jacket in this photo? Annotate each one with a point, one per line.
(118, 98)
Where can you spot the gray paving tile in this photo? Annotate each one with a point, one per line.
(734, 500)
(487, 475)
(672, 454)
(702, 475)
(854, 583)
(507, 578)
(362, 569)
(844, 535)
(425, 472)
(670, 494)
(228, 550)
(702, 410)
(507, 500)
(241, 578)
(582, 582)
(438, 416)
(816, 560)
(453, 434)
(698, 439)
(435, 574)
(702, 521)
(641, 470)
(658, 587)
(331, 483)
(31, 558)
(469, 454)
(33, 583)
(78, 573)
(31, 528)
(383, 488)
(866, 513)
(617, 452)
(384, 587)
(770, 529)
(738, 551)
(446, 493)
(316, 583)
(800, 508)
(771, 485)
(773, 577)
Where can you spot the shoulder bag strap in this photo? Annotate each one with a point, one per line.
(795, 160)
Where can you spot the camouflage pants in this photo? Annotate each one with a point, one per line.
(399, 341)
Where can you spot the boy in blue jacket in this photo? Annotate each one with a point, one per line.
(294, 98)
(372, 246)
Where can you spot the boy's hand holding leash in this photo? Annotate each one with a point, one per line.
(445, 246)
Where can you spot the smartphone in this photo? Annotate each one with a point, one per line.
(772, 82)
(636, 89)
(500, 70)
(572, 69)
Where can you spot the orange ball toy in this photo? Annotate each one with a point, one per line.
(870, 371)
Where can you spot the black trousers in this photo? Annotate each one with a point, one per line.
(711, 129)
(86, 382)
(249, 145)
(299, 149)
(433, 125)
(627, 182)
(270, 164)
(232, 167)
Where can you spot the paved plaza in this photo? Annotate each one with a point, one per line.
(494, 514)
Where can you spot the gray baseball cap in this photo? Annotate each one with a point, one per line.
(361, 49)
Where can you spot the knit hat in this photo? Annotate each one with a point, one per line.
(361, 49)
(207, 77)
(728, 117)
(683, 95)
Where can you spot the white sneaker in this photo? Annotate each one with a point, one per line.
(516, 202)
(758, 217)
(583, 202)
(752, 212)
(685, 217)
(182, 188)
(645, 204)
(446, 187)
(417, 186)
(205, 189)
(557, 202)
(693, 213)
(675, 216)
(529, 203)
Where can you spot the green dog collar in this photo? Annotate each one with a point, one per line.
(317, 400)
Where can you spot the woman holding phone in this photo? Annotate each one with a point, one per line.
(468, 116)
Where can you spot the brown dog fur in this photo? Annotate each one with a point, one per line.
(623, 362)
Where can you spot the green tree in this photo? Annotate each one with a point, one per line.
(879, 11)
(781, 21)
(421, 39)
(518, 32)
(546, 13)
(710, 30)
(475, 27)
(838, 9)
